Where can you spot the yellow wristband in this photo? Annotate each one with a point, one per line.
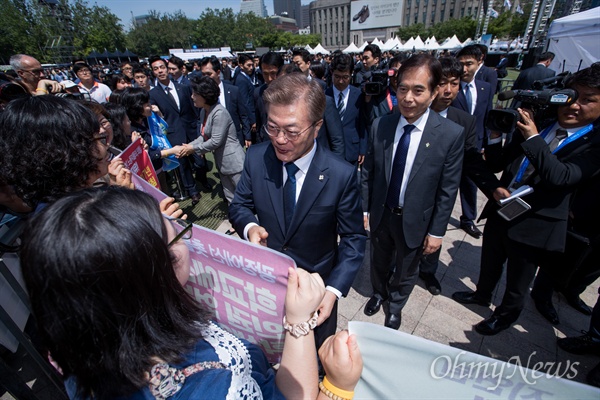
(41, 90)
(344, 394)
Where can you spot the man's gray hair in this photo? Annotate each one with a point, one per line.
(294, 87)
(16, 61)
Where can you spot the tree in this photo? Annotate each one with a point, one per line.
(463, 28)
(14, 28)
(414, 30)
(160, 33)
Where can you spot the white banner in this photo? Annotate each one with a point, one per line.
(369, 14)
(402, 366)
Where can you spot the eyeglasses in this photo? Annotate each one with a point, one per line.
(274, 131)
(102, 139)
(183, 229)
(84, 71)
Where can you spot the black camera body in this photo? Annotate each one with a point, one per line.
(543, 103)
(376, 82)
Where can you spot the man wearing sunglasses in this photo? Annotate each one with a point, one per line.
(297, 197)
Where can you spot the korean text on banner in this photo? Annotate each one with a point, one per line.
(136, 159)
(398, 364)
(242, 284)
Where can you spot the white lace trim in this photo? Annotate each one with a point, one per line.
(234, 354)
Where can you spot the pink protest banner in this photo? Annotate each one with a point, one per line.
(242, 284)
(137, 161)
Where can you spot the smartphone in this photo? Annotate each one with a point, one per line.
(514, 209)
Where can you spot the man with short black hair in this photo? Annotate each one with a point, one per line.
(175, 68)
(538, 72)
(371, 57)
(244, 82)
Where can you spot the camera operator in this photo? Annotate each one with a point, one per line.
(370, 62)
(31, 75)
(554, 163)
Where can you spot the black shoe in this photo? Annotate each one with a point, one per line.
(206, 186)
(431, 283)
(546, 308)
(470, 298)
(579, 305)
(360, 13)
(230, 232)
(584, 344)
(471, 229)
(593, 377)
(364, 15)
(373, 305)
(195, 199)
(492, 326)
(393, 321)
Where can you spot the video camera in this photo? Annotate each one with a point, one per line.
(376, 82)
(543, 103)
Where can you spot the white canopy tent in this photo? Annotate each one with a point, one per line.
(431, 44)
(418, 45)
(392, 44)
(351, 49)
(320, 49)
(409, 44)
(574, 40)
(361, 48)
(377, 42)
(309, 49)
(451, 43)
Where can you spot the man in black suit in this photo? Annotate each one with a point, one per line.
(246, 86)
(302, 196)
(409, 182)
(270, 64)
(555, 163)
(349, 104)
(175, 104)
(229, 98)
(538, 72)
(485, 73)
(475, 97)
(302, 59)
(474, 166)
(175, 68)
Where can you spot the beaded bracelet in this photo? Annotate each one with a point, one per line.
(331, 395)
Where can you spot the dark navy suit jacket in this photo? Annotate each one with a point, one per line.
(246, 94)
(183, 121)
(329, 205)
(481, 108)
(238, 111)
(355, 131)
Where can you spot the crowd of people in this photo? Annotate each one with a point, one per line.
(311, 152)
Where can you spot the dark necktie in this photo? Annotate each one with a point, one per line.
(560, 135)
(289, 193)
(340, 105)
(393, 195)
(468, 97)
(170, 94)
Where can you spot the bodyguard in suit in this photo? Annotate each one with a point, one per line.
(475, 97)
(474, 166)
(229, 98)
(296, 198)
(175, 104)
(409, 182)
(538, 72)
(349, 103)
(555, 163)
(270, 64)
(246, 87)
(485, 73)
(175, 68)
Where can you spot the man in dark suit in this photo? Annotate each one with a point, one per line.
(475, 97)
(244, 83)
(409, 182)
(485, 73)
(225, 70)
(538, 72)
(270, 64)
(175, 104)
(349, 103)
(302, 197)
(474, 166)
(175, 68)
(564, 156)
(229, 98)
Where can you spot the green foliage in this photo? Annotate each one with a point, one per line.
(463, 28)
(13, 30)
(414, 30)
(160, 33)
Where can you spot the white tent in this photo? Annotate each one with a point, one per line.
(392, 44)
(432, 44)
(574, 40)
(310, 49)
(361, 48)
(409, 44)
(320, 49)
(419, 45)
(451, 43)
(377, 42)
(351, 49)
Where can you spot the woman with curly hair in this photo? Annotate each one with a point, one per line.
(50, 146)
(118, 322)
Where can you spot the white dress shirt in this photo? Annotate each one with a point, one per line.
(172, 90)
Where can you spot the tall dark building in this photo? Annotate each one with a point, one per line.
(293, 8)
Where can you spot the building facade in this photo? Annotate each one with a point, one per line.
(331, 19)
(431, 12)
(254, 6)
